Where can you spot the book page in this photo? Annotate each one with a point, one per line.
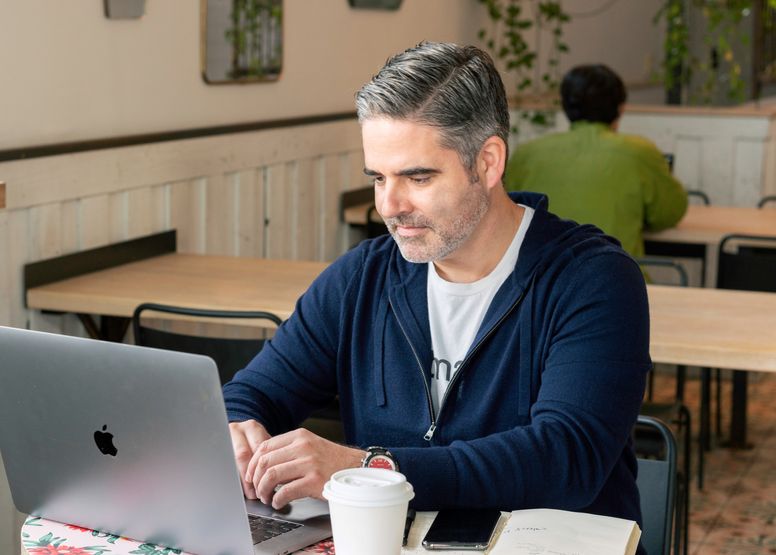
(556, 532)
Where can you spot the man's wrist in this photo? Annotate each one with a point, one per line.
(379, 457)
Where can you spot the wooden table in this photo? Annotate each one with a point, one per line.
(715, 328)
(201, 281)
(698, 234)
(708, 224)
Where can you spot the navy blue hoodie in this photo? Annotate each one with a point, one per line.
(541, 409)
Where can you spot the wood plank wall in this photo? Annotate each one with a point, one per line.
(271, 194)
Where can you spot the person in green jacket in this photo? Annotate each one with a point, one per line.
(592, 174)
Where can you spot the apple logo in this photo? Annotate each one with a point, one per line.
(104, 441)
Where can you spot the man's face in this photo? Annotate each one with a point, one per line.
(422, 191)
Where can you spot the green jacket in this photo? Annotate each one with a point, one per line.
(591, 174)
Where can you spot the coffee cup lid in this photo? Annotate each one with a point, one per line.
(368, 487)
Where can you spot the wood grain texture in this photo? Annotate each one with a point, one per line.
(111, 170)
(279, 238)
(215, 282)
(94, 221)
(713, 328)
(708, 224)
(17, 247)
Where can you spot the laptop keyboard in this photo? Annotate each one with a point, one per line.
(264, 528)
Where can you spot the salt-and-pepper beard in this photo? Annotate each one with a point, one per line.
(444, 237)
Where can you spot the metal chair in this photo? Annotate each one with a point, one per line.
(230, 353)
(698, 195)
(678, 276)
(657, 485)
(770, 199)
(675, 412)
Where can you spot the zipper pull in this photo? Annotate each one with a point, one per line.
(430, 432)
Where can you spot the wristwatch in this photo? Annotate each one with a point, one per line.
(379, 457)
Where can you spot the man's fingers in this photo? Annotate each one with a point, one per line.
(303, 487)
(246, 437)
(270, 452)
(268, 478)
(255, 433)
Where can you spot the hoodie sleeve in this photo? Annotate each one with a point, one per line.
(295, 373)
(572, 453)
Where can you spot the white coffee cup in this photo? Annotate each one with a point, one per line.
(368, 507)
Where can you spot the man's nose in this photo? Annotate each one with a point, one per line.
(391, 200)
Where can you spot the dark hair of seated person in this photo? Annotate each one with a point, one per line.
(592, 93)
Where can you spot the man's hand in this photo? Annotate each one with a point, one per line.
(247, 436)
(300, 462)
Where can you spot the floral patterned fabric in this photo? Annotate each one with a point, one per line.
(46, 537)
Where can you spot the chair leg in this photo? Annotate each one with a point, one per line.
(704, 440)
(718, 401)
(650, 384)
(705, 410)
(687, 468)
(681, 377)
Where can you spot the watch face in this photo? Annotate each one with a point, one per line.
(380, 461)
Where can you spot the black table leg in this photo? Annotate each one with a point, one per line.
(111, 328)
(705, 410)
(737, 438)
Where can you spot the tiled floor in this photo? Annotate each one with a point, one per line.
(735, 513)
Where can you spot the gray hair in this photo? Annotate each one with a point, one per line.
(456, 89)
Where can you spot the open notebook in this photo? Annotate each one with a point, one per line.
(532, 531)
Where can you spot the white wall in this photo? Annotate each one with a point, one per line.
(67, 73)
(622, 36)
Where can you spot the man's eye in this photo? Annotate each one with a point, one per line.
(420, 179)
(378, 180)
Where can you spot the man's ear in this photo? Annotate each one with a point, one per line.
(492, 160)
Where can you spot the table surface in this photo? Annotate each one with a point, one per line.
(713, 327)
(708, 224)
(47, 537)
(201, 281)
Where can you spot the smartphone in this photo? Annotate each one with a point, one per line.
(470, 529)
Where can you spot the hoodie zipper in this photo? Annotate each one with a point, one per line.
(430, 433)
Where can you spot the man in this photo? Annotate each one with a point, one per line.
(592, 174)
(495, 353)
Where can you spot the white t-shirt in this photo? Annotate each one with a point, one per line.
(456, 311)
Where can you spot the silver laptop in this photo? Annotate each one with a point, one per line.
(133, 441)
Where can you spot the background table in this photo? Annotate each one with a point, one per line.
(715, 328)
(699, 233)
(200, 281)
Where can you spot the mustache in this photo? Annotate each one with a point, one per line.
(408, 220)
